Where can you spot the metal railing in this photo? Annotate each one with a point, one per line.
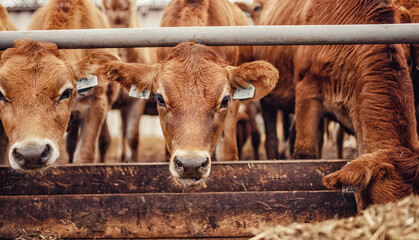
(221, 36)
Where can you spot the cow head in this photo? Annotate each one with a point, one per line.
(253, 9)
(120, 13)
(378, 177)
(37, 86)
(194, 88)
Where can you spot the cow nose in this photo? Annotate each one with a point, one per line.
(191, 167)
(32, 157)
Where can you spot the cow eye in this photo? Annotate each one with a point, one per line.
(224, 102)
(3, 98)
(66, 94)
(257, 8)
(160, 100)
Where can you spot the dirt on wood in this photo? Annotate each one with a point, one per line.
(394, 220)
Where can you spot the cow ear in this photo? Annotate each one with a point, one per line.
(7, 53)
(141, 76)
(402, 15)
(244, 6)
(92, 63)
(357, 174)
(260, 74)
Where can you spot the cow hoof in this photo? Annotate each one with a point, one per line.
(350, 189)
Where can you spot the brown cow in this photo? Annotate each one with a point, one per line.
(193, 87)
(253, 9)
(6, 24)
(187, 13)
(123, 14)
(366, 88)
(37, 84)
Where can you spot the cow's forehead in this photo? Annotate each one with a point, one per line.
(116, 4)
(47, 74)
(200, 79)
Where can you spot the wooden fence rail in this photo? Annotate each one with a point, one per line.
(141, 201)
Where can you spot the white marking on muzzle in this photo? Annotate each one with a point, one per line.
(185, 153)
(28, 143)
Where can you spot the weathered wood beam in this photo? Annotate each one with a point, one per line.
(304, 175)
(163, 215)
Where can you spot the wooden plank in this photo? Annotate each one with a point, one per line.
(167, 215)
(304, 175)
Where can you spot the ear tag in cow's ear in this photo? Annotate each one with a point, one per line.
(350, 189)
(145, 94)
(242, 93)
(86, 84)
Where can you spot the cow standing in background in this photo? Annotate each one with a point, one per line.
(38, 90)
(6, 24)
(123, 14)
(188, 13)
(366, 88)
(408, 12)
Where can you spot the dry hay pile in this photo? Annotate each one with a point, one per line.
(395, 220)
(37, 235)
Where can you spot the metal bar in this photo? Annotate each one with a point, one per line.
(221, 36)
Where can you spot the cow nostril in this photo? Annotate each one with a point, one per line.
(18, 158)
(178, 163)
(46, 152)
(205, 163)
(178, 166)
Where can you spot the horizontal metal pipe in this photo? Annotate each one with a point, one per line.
(221, 36)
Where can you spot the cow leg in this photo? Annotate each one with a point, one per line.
(292, 135)
(91, 126)
(255, 135)
(3, 145)
(72, 135)
(104, 142)
(241, 136)
(320, 137)
(308, 113)
(132, 129)
(124, 118)
(339, 135)
(255, 143)
(269, 114)
(227, 147)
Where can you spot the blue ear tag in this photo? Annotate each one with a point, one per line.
(145, 94)
(242, 93)
(86, 84)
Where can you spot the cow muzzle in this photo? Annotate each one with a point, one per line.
(190, 168)
(33, 154)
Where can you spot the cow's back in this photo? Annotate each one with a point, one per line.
(68, 14)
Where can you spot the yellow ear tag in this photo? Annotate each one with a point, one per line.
(145, 94)
(242, 93)
(85, 84)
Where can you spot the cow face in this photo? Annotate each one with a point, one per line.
(194, 90)
(119, 12)
(377, 177)
(37, 87)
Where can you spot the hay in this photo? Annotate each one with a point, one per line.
(395, 220)
(37, 235)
